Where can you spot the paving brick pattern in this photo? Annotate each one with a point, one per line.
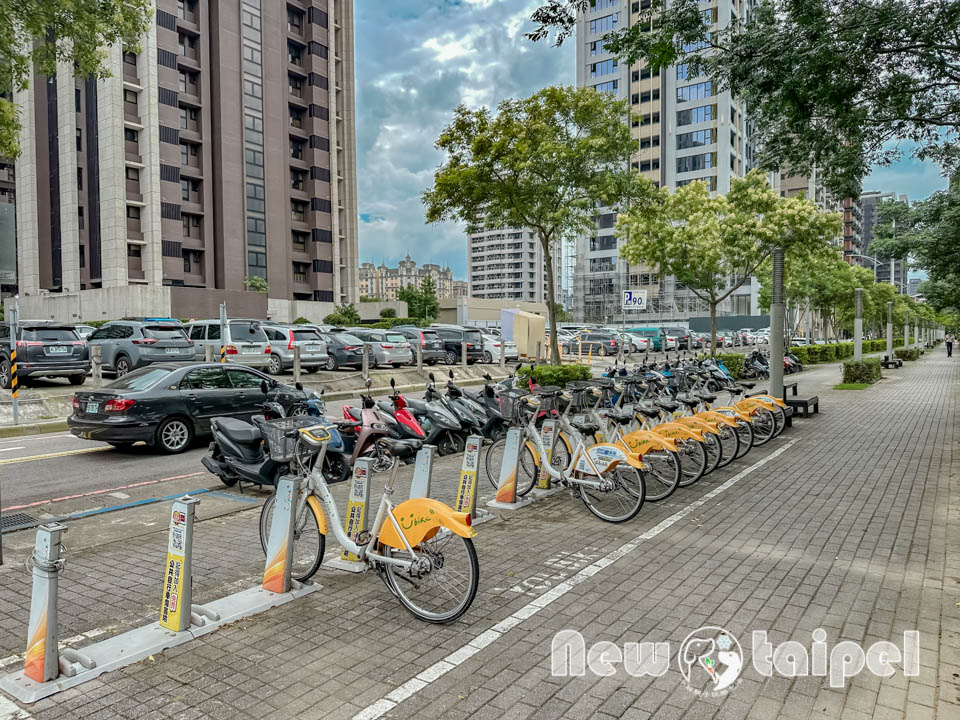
(852, 529)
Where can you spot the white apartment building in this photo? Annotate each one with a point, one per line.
(687, 129)
(508, 264)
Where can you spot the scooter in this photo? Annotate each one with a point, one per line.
(438, 422)
(402, 424)
(474, 418)
(367, 427)
(486, 405)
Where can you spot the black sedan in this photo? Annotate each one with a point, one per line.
(343, 350)
(166, 405)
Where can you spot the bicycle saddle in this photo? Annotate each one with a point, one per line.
(400, 449)
(668, 405)
(621, 418)
(649, 411)
(688, 400)
(586, 428)
(748, 385)
(709, 397)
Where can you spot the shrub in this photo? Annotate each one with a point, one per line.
(301, 321)
(386, 313)
(556, 374)
(865, 371)
(907, 353)
(803, 353)
(733, 363)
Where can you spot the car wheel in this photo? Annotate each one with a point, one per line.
(275, 367)
(332, 363)
(487, 357)
(122, 365)
(602, 352)
(174, 435)
(451, 357)
(77, 379)
(5, 374)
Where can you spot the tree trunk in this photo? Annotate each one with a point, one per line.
(551, 303)
(713, 329)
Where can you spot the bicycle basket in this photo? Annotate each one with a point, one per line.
(280, 447)
(509, 402)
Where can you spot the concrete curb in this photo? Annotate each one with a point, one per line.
(33, 428)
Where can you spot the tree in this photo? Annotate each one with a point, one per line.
(414, 300)
(805, 266)
(343, 315)
(77, 33)
(388, 313)
(713, 244)
(367, 298)
(429, 305)
(829, 83)
(256, 283)
(545, 162)
(560, 313)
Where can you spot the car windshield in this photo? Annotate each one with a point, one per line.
(473, 336)
(49, 334)
(247, 332)
(427, 335)
(141, 379)
(395, 337)
(306, 335)
(163, 332)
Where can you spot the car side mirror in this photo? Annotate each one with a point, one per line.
(263, 387)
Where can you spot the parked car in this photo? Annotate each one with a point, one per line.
(284, 338)
(387, 347)
(492, 345)
(655, 336)
(44, 349)
(343, 349)
(126, 345)
(246, 342)
(431, 344)
(638, 343)
(84, 331)
(167, 405)
(681, 334)
(600, 343)
(453, 336)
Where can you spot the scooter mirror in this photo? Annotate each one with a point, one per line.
(432, 378)
(368, 383)
(450, 373)
(298, 386)
(393, 383)
(263, 386)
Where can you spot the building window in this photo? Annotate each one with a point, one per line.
(692, 163)
(300, 272)
(694, 92)
(133, 212)
(83, 256)
(296, 118)
(698, 138)
(296, 148)
(597, 48)
(683, 71)
(80, 140)
(604, 24)
(129, 135)
(130, 58)
(296, 85)
(79, 178)
(130, 97)
(610, 87)
(603, 68)
(80, 218)
(186, 41)
(133, 174)
(299, 241)
(294, 21)
(133, 251)
(298, 210)
(297, 179)
(706, 113)
(76, 98)
(294, 55)
(185, 190)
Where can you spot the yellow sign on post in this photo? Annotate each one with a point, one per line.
(178, 572)
(548, 434)
(355, 521)
(467, 488)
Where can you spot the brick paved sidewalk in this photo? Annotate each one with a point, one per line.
(845, 529)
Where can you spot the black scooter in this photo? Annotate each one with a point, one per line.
(437, 420)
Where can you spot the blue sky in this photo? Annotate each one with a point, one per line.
(416, 60)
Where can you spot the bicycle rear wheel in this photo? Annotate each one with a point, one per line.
(662, 474)
(693, 461)
(745, 431)
(445, 587)
(729, 445)
(308, 543)
(622, 500)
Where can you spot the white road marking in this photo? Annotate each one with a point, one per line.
(488, 637)
(18, 447)
(119, 495)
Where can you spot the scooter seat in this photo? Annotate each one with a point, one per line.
(354, 412)
(238, 430)
(401, 449)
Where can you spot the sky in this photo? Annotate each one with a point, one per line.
(416, 60)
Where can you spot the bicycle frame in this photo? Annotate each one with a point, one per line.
(580, 453)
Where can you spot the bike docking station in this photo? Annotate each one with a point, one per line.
(544, 487)
(506, 497)
(47, 670)
(467, 487)
(423, 472)
(356, 521)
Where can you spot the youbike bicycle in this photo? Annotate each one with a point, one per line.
(608, 480)
(421, 548)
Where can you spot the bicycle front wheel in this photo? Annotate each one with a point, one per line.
(745, 431)
(662, 474)
(621, 497)
(693, 461)
(308, 543)
(729, 445)
(711, 444)
(445, 582)
(493, 461)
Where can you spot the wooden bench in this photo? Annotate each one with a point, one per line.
(889, 362)
(806, 404)
(788, 414)
(790, 385)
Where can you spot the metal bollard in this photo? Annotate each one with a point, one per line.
(177, 602)
(276, 573)
(463, 354)
(208, 353)
(420, 356)
(42, 660)
(96, 359)
(365, 368)
(296, 363)
(423, 472)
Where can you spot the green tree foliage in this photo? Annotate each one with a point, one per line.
(78, 32)
(545, 162)
(421, 301)
(301, 321)
(712, 244)
(343, 315)
(256, 283)
(388, 313)
(829, 83)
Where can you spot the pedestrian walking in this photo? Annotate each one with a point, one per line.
(949, 340)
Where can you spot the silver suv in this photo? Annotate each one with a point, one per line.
(126, 345)
(387, 347)
(284, 338)
(246, 342)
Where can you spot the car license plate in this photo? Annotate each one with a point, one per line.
(251, 350)
(93, 408)
(313, 348)
(58, 349)
(173, 351)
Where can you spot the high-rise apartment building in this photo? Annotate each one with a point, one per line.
(8, 228)
(224, 150)
(687, 129)
(869, 202)
(508, 264)
(384, 283)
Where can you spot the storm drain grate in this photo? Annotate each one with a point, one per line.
(15, 520)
